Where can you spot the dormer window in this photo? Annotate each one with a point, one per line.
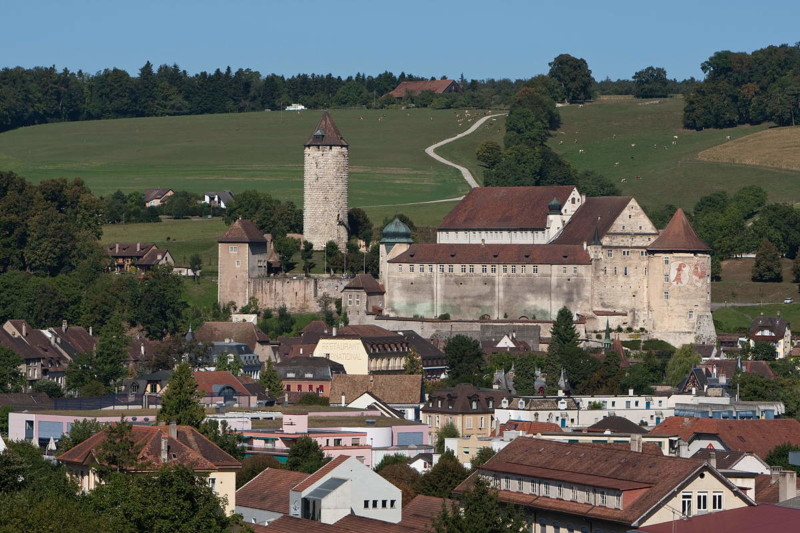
(440, 404)
(521, 404)
(491, 403)
(474, 405)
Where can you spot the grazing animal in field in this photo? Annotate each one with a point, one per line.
(675, 137)
(633, 145)
(616, 163)
(623, 180)
(727, 137)
(638, 177)
(560, 142)
(581, 151)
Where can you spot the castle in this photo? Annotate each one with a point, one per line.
(503, 253)
(522, 253)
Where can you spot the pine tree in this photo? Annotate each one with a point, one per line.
(118, 452)
(180, 402)
(270, 380)
(767, 266)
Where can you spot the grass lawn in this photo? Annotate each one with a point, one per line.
(737, 319)
(262, 151)
(669, 173)
(736, 286)
(181, 237)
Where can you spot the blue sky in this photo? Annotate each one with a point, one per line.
(486, 39)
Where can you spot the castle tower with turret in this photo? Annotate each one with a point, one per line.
(325, 177)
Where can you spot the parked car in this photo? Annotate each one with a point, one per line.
(788, 300)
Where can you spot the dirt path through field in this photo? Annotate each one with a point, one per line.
(464, 171)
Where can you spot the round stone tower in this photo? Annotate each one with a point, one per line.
(325, 176)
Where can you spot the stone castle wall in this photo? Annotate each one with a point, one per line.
(325, 180)
(299, 295)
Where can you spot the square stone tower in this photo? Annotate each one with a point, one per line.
(242, 255)
(325, 175)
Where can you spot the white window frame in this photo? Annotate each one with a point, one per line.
(717, 501)
(233, 249)
(702, 501)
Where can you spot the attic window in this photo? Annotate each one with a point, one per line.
(452, 254)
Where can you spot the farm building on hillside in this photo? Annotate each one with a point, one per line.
(415, 88)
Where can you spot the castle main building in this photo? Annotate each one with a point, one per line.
(525, 252)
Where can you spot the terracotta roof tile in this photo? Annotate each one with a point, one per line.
(391, 388)
(756, 436)
(244, 332)
(596, 214)
(725, 460)
(505, 208)
(416, 87)
(366, 283)
(678, 236)
(190, 448)
(128, 249)
(741, 520)
(290, 524)
(153, 256)
(154, 194)
(269, 490)
(207, 380)
(543, 254)
(330, 133)
(529, 428)
(243, 231)
(594, 465)
(319, 474)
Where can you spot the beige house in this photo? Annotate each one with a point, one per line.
(365, 349)
(772, 330)
(160, 446)
(469, 408)
(602, 488)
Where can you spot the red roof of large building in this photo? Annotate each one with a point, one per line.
(543, 254)
(505, 208)
(678, 236)
(187, 447)
(269, 490)
(414, 88)
(206, 381)
(366, 283)
(527, 427)
(756, 436)
(595, 216)
(741, 520)
(243, 231)
(319, 474)
(655, 476)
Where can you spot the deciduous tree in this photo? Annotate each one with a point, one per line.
(305, 455)
(767, 266)
(681, 363)
(465, 362)
(479, 511)
(573, 76)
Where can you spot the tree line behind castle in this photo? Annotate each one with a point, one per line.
(739, 88)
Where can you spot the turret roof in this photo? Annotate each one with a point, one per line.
(326, 133)
(396, 231)
(678, 236)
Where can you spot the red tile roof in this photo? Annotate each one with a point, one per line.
(727, 367)
(243, 231)
(543, 254)
(319, 474)
(391, 388)
(366, 283)
(741, 520)
(596, 214)
(269, 490)
(678, 236)
(416, 87)
(207, 380)
(290, 524)
(529, 428)
(155, 194)
(128, 249)
(330, 133)
(756, 436)
(505, 208)
(190, 449)
(767, 489)
(244, 332)
(368, 331)
(594, 465)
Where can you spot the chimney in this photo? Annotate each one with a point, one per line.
(344, 400)
(787, 485)
(173, 430)
(301, 350)
(164, 449)
(636, 443)
(52, 339)
(775, 473)
(334, 331)
(63, 326)
(683, 449)
(712, 460)
(117, 249)
(90, 331)
(138, 247)
(630, 392)
(24, 329)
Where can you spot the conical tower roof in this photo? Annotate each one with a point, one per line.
(396, 231)
(554, 207)
(326, 133)
(678, 236)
